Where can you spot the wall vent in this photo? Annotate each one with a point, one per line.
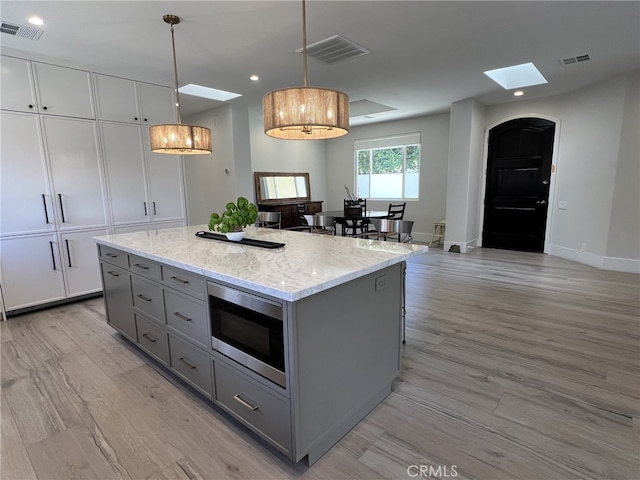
(334, 49)
(576, 59)
(21, 31)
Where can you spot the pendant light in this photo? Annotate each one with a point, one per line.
(305, 113)
(178, 138)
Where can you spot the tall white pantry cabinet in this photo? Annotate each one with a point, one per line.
(75, 164)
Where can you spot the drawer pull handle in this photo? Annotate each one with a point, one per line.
(178, 279)
(244, 403)
(140, 265)
(112, 255)
(191, 367)
(144, 297)
(149, 337)
(115, 274)
(181, 317)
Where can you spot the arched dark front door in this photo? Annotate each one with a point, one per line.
(517, 190)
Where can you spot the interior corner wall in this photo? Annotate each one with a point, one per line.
(273, 155)
(624, 229)
(434, 138)
(243, 175)
(208, 188)
(464, 177)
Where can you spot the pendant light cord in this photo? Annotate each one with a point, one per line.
(175, 72)
(304, 40)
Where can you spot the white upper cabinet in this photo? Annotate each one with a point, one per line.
(71, 146)
(63, 91)
(122, 100)
(164, 173)
(25, 198)
(122, 148)
(16, 85)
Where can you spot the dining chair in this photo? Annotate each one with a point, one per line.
(355, 226)
(386, 229)
(396, 211)
(269, 219)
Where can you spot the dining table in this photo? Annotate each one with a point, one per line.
(339, 217)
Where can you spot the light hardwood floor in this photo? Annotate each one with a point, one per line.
(516, 366)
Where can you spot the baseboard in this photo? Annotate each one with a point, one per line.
(464, 246)
(628, 265)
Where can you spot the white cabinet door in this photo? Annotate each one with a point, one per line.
(63, 91)
(122, 147)
(157, 104)
(31, 271)
(71, 148)
(166, 193)
(116, 99)
(16, 85)
(25, 200)
(79, 256)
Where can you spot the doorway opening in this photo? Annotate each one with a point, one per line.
(517, 186)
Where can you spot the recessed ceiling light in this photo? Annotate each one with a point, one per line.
(254, 78)
(35, 21)
(517, 76)
(518, 93)
(207, 92)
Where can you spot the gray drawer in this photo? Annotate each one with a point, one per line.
(188, 316)
(266, 413)
(147, 297)
(114, 256)
(152, 338)
(192, 364)
(146, 268)
(184, 281)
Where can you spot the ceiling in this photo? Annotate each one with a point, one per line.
(424, 56)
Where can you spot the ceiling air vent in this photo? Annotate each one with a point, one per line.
(577, 59)
(20, 31)
(334, 49)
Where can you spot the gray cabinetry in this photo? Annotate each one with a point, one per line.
(152, 338)
(192, 364)
(256, 406)
(117, 295)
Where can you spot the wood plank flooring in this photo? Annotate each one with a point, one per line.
(516, 366)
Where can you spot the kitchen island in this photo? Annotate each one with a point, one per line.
(338, 303)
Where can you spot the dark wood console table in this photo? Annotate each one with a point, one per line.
(289, 211)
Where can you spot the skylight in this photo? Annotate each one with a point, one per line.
(206, 92)
(516, 76)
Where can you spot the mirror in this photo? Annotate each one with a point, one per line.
(282, 187)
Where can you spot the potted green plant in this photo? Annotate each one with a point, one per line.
(232, 221)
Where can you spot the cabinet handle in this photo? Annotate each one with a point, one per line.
(45, 108)
(149, 337)
(145, 208)
(66, 242)
(115, 274)
(46, 212)
(191, 367)
(140, 265)
(181, 317)
(112, 255)
(61, 207)
(30, 105)
(135, 118)
(178, 279)
(145, 120)
(244, 403)
(53, 258)
(154, 208)
(145, 298)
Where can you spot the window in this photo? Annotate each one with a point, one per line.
(388, 168)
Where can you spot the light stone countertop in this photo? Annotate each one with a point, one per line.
(309, 263)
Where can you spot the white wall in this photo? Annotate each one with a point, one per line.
(273, 155)
(208, 187)
(434, 132)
